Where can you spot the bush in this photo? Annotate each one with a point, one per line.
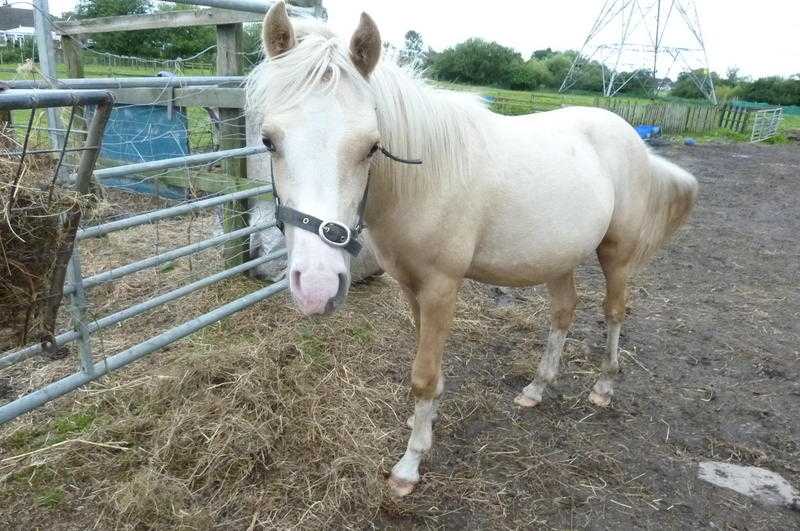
(531, 75)
(478, 62)
(774, 90)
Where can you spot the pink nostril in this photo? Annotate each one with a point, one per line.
(296, 279)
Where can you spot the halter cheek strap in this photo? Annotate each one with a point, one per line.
(334, 233)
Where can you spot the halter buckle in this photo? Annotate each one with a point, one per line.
(334, 233)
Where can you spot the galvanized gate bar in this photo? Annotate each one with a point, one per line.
(177, 162)
(35, 99)
(149, 217)
(134, 267)
(65, 385)
(251, 6)
(77, 306)
(138, 309)
(44, 87)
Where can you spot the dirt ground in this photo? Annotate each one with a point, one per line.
(711, 370)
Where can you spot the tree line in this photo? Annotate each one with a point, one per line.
(479, 62)
(170, 43)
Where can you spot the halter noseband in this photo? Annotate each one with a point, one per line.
(334, 233)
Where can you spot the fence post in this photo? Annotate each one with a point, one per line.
(47, 63)
(94, 141)
(232, 136)
(72, 58)
(6, 130)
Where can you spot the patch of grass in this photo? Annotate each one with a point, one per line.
(76, 423)
(789, 122)
(60, 429)
(22, 439)
(50, 498)
(311, 346)
(364, 334)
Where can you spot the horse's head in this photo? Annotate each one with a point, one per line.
(320, 125)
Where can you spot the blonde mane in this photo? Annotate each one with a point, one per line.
(415, 121)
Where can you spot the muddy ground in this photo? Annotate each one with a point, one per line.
(711, 370)
(714, 355)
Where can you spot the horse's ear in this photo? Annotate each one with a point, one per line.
(277, 32)
(365, 46)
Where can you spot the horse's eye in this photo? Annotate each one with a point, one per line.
(373, 149)
(268, 144)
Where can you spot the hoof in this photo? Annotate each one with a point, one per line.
(600, 400)
(400, 487)
(523, 401)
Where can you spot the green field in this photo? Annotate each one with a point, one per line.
(505, 102)
(9, 71)
(523, 102)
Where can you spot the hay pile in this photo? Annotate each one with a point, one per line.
(284, 428)
(37, 231)
(268, 420)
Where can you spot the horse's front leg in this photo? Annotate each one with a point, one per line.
(436, 302)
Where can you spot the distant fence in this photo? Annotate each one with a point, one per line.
(672, 117)
(675, 118)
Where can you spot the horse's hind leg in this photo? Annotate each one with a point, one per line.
(615, 263)
(562, 314)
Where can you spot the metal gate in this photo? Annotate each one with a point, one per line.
(765, 123)
(83, 327)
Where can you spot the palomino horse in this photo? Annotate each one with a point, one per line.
(514, 201)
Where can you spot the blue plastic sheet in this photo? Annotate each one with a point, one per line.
(647, 132)
(141, 133)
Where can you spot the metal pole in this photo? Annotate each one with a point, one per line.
(70, 383)
(78, 312)
(94, 140)
(34, 99)
(126, 82)
(133, 267)
(255, 6)
(178, 162)
(47, 61)
(656, 42)
(148, 217)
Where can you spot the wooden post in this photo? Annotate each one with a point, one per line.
(70, 48)
(231, 136)
(6, 130)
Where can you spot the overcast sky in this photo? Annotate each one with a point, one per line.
(761, 38)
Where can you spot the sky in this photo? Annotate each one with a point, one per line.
(760, 38)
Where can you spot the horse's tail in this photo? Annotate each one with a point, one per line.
(670, 197)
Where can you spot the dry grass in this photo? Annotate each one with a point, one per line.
(286, 423)
(267, 420)
(271, 419)
(37, 229)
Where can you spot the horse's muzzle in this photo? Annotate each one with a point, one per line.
(318, 292)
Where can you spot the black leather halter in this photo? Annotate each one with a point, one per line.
(334, 233)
